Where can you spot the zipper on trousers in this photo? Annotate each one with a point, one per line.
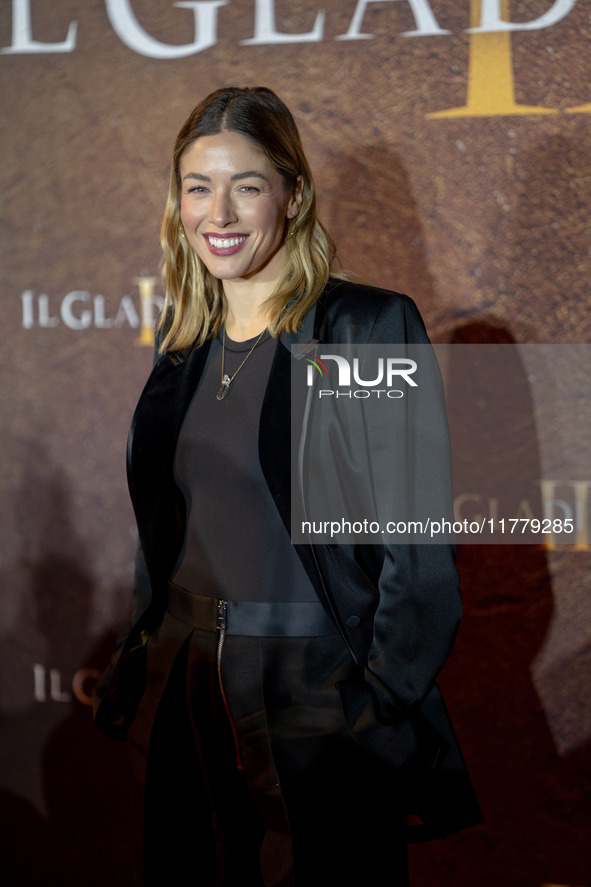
(221, 625)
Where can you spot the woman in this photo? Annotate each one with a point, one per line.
(290, 726)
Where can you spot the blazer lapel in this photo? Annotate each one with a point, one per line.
(150, 459)
(275, 429)
(281, 426)
(275, 433)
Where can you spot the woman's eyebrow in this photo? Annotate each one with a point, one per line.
(249, 174)
(196, 175)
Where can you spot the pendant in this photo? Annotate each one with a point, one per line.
(224, 387)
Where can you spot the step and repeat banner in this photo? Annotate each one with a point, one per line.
(451, 147)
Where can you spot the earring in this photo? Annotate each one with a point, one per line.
(181, 230)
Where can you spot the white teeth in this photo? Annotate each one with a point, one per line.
(225, 242)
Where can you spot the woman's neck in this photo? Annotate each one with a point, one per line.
(246, 315)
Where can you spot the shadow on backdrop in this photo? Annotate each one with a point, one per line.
(535, 804)
(83, 836)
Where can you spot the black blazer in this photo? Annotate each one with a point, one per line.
(397, 607)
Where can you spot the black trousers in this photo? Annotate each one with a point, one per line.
(261, 783)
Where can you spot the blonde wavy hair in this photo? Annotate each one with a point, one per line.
(194, 308)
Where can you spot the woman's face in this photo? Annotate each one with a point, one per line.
(234, 207)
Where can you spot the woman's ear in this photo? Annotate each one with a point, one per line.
(295, 201)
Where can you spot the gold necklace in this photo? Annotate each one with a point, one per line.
(226, 379)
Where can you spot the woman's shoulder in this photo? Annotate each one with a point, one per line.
(349, 310)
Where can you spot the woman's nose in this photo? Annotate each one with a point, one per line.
(221, 211)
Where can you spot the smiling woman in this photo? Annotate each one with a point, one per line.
(234, 133)
(235, 208)
(288, 692)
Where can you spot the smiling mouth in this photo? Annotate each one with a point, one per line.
(225, 245)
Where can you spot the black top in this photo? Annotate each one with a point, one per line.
(236, 545)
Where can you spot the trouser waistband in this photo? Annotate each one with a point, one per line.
(285, 619)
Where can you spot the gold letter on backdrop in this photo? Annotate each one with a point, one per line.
(148, 301)
(491, 87)
(577, 510)
(495, 14)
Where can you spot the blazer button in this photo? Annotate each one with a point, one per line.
(353, 621)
